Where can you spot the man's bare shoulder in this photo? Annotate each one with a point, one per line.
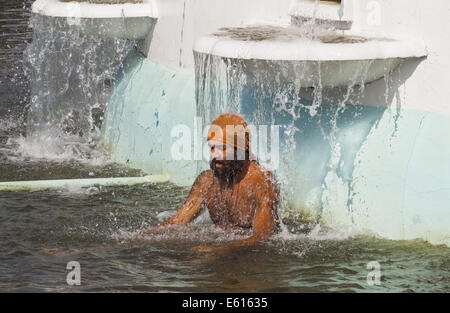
(203, 182)
(261, 175)
(205, 177)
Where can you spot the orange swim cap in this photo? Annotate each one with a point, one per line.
(230, 129)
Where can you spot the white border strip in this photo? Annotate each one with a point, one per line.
(35, 185)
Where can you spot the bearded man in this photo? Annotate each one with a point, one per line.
(238, 193)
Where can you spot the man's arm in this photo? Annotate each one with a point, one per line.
(193, 204)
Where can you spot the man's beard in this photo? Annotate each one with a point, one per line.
(228, 169)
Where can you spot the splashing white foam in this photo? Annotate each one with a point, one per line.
(175, 234)
(332, 233)
(8, 124)
(57, 148)
(320, 233)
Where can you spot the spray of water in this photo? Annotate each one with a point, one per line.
(72, 71)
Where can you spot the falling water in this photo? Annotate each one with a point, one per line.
(71, 71)
(180, 63)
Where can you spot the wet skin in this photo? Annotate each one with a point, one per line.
(239, 195)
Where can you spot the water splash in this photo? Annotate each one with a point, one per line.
(180, 63)
(192, 234)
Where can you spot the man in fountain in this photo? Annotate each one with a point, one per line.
(239, 194)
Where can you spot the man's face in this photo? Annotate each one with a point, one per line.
(223, 159)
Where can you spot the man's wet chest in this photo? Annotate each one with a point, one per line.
(235, 205)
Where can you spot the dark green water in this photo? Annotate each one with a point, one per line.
(94, 228)
(40, 232)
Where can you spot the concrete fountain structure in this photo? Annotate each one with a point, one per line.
(363, 106)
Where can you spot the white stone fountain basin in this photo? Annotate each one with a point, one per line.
(326, 58)
(125, 21)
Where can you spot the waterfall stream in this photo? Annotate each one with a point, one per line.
(72, 72)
